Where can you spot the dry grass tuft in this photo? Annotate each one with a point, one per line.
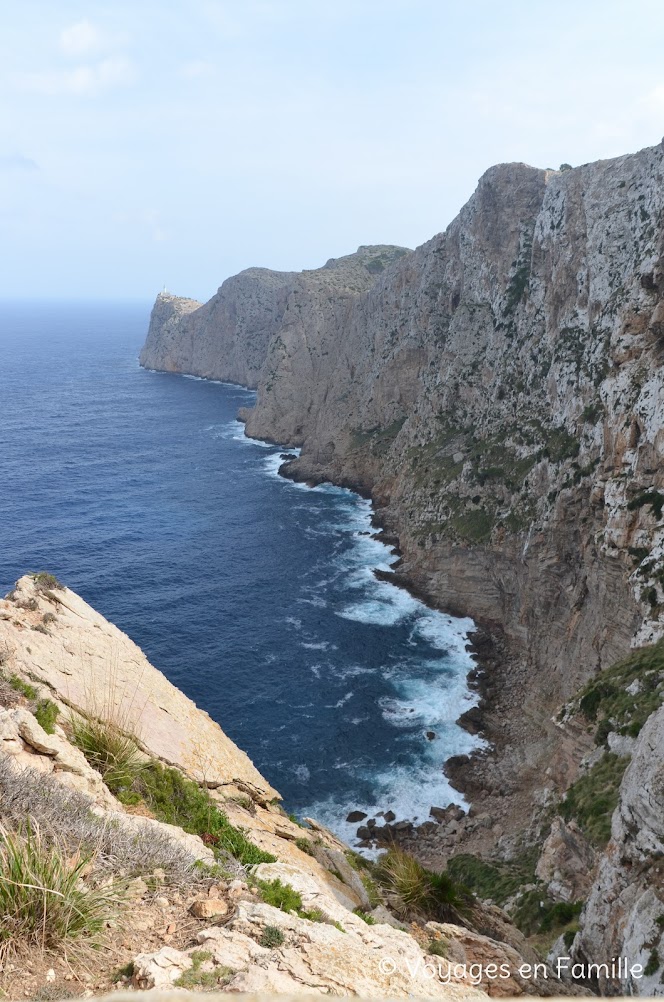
(65, 817)
(44, 898)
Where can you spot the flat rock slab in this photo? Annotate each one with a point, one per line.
(90, 665)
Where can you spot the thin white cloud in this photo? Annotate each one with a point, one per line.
(80, 39)
(83, 81)
(654, 100)
(197, 69)
(16, 161)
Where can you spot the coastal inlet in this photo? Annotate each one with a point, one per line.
(254, 595)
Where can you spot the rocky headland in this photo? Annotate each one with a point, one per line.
(498, 392)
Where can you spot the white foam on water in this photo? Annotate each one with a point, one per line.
(317, 601)
(429, 695)
(340, 702)
(301, 772)
(354, 671)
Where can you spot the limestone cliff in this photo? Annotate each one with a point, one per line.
(499, 393)
(228, 337)
(625, 909)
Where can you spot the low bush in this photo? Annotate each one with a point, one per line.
(47, 582)
(65, 817)
(536, 913)
(43, 898)
(592, 800)
(569, 934)
(626, 693)
(653, 964)
(287, 899)
(496, 881)
(437, 947)
(652, 498)
(177, 800)
(195, 977)
(24, 688)
(46, 714)
(272, 937)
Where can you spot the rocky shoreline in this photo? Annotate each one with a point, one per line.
(491, 676)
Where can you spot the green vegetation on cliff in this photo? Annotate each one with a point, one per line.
(592, 800)
(173, 798)
(167, 792)
(622, 698)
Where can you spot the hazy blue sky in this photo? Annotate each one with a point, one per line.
(159, 141)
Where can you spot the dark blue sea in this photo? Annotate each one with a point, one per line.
(254, 595)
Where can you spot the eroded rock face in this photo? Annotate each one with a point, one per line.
(624, 915)
(499, 391)
(566, 862)
(228, 338)
(263, 949)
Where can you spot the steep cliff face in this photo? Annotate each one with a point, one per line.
(498, 391)
(624, 915)
(228, 337)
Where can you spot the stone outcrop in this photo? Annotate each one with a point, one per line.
(89, 666)
(566, 862)
(624, 914)
(339, 954)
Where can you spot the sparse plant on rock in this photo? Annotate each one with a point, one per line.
(272, 937)
(47, 582)
(46, 714)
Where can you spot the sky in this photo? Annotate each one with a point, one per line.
(146, 143)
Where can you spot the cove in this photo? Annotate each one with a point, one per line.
(254, 595)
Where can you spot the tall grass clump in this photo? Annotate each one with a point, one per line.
(107, 729)
(108, 749)
(43, 899)
(434, 895)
